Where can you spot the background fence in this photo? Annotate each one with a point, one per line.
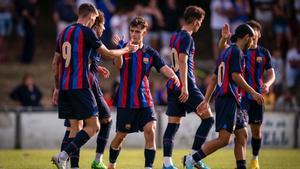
(41, 128)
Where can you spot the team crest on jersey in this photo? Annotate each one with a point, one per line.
(146, 60)
(258, 59)
(128, 126)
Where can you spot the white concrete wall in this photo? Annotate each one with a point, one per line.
(7, 130)
(45, 130)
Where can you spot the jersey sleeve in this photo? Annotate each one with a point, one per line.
(216, 70)
(235, 61)
(158, 63)
(268, 60)
(57, 46)
(185, 44)
(92, 39)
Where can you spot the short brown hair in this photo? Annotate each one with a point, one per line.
(254, 24)
(138, 21)
(86, 9)
(99, 19)
(192, 13)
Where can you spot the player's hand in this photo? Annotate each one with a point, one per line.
(132, 47)
(226, 31)
(116, 39)
(105, 72)
(258, 98)
(184, 95)
(176, 80)
(55, 97)
(202, 107)
(265, 88)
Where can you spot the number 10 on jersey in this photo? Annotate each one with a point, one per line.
(174, 58)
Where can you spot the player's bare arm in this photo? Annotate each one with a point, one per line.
(112, 53)
(239, 80)
(270, 80)
(118, 62)
(204, 105)
(55, 70)
(183, 77)
(225, 37)
(169, 73)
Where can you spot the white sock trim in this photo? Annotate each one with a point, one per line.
(168, 161)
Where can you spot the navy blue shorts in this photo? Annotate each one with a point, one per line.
(226, 113)
(103, 109)
(134, 120)
(179, 109)
(76, 104)
(254, 110)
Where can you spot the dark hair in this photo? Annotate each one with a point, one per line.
(241, 31)
(138, 21)
(192, 13)
(254, 24)
(86, 9)
(100, 19)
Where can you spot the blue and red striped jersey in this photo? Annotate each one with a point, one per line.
(182, 42)
(134, 90)
(229, 61)
(74, 45)
(256, 62)
(94, 62)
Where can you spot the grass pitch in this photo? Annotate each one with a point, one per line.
(134, 159)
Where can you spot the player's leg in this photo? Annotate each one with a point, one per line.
(75, 127)
(255, 120)
(256, 144)
(240, 147)
(147, 123)
(207, 120)
(241, 137)
(209, 147)
(203, 129)
(226, 108)
(115, 148)
(168, 141)
(150, 145)
(90, 129)
(65, 140)
(125, 124)
(174, 112)
(105, 126)
(83, 106)
(202, 133)
(63, 157)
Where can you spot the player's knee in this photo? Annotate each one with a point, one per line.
(120, 137)
(173, 119)
(206, 114)
(150, 130)
(255, 131)
(242, 138)
(224, 141)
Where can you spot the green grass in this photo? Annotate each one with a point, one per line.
(133, 159)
